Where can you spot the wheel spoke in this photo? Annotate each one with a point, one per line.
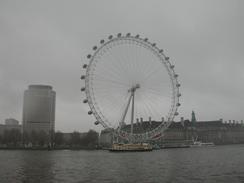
(130, 67)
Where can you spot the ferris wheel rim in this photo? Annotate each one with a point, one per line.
(165, 61)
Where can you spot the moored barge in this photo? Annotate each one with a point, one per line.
(131, 147)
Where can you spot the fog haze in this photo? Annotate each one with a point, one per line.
(46, 42)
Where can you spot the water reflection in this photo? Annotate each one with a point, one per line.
(37, 166)
(217, 164)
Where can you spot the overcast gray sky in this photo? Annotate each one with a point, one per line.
(45, 42)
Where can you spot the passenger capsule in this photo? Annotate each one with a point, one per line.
(161, 51)
(89, 56)
(154, 44)
(102, 41)
(137, 36)
(176, 75)
(119, 35)
(89, 112)
(128, 35)
(85, 101)
(83, 89)
(84, 66)
(146, 39)
(176, 113)
(172, 66)
(82, 77)
(94, 47)
(178, 84)
(178, 104)
(166, 58)
(96, 122)
(110, 37)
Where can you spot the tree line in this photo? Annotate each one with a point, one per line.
(14, 138)
(76, 139)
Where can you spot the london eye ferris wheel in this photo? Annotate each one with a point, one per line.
(128, 78)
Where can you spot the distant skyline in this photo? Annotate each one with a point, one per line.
(46, 42)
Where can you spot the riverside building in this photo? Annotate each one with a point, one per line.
(39, 109)
(216, 131)
(10, 124)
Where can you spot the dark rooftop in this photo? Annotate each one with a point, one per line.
(40, 87)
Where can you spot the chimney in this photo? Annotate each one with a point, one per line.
(150, 120)
(162, 119)
(141, 120)
(137, 121)
(182, 121)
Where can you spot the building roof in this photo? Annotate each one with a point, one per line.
(145, 126)
(48, 87)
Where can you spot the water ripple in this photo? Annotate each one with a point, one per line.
(216, 164)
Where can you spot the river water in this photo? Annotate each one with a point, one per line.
(205, 164)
